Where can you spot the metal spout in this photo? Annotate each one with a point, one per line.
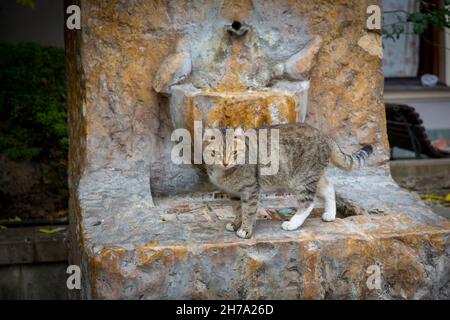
(237, 28)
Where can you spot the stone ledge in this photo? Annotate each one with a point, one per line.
(423, 174)
(28, 245)
(131, 250)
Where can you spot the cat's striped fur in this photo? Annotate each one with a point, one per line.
(305, 152)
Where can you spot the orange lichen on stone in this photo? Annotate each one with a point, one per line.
(286, 107)
(237, 9)
(438, 241)
(193, 115)
(253, 265)
(246, 109)
(167, 255)
(109, 259)
(310, 275)
(237, 68)
(229, 113)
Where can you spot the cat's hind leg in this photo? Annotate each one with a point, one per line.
(305, 195)
(325, 191)
(300, 216)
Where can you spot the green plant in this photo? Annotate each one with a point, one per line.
(430, 15)
(27, 3)
(33, 109)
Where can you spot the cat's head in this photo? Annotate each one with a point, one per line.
(224, 148)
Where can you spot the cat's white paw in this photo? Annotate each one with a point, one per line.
(230, 227)
(241, 233)
(328, 216)
(289, 226)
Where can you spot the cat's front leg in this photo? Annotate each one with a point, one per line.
(249, 204)
(236, 224)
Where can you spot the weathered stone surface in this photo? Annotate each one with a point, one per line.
(139, 252)
(120, 128)
(41, 281)
(250, 109)
(121, 46)
(302, 62)
(33, 264)
(371, 42)
(173, 69)
(28, 245)
(225, 75)
(422, 175)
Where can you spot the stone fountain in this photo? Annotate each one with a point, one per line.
(227, 74)
(144, 228)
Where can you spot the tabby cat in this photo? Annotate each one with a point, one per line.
(304, 153)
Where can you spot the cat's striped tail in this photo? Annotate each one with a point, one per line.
(348, 162)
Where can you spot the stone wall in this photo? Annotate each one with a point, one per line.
(33, 264)
(122, 44)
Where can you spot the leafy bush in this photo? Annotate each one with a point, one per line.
(33, 108)
(430, 15)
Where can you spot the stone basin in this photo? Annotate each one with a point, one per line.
(254, 108)
(134, 250)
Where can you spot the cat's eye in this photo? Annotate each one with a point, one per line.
(213, 153)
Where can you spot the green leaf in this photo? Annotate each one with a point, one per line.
(15, 219)
(420, 28)
(51, 230)
(416, 17)
(27, 3)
